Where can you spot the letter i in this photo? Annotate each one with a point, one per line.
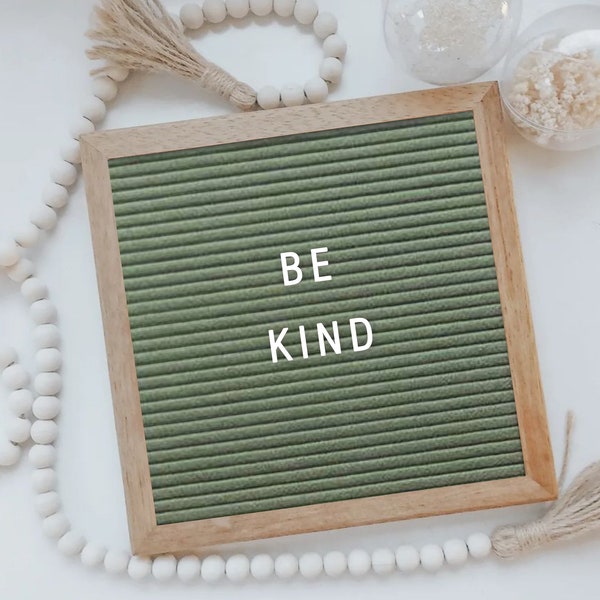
(303, 341)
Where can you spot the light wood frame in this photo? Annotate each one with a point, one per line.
(538, 484)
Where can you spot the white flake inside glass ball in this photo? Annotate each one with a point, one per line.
(450, 41)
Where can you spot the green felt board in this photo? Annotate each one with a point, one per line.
(400, 207)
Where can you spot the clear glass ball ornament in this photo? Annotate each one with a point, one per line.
(551, 80)
(450, 41)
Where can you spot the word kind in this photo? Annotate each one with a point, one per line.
(328, 338)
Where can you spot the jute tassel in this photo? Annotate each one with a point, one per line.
(575, 513)
(140, 35)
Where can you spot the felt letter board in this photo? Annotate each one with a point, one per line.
(316, 317)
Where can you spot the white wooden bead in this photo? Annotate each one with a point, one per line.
(117, 74)
(479, 545)
(191, 16)
(359, 563)
(55, 526)
(71, 543)
(335, 563)
(43, 312)
(44, 432)
(79, 127)
(212, 569)
(331, 69)
(43, 480)
(116, 562)
(47, 504)
(33, 289)
(455, 552)
(28, 235)
(310, 565)
(48, 360)
(284, 8)
(261, 8)
(268, 97)
(93, 109)
(9, 253)
(18, 430)
(335, 46)
(214, 10)
(292, 95)
(383, 561)
(262, 566)
(432, 558)
(46, 336)
(316, 90)
(70, 150)
(139, 567)
(286, 566)
(47, 384)
(43, 216)
(42, 456)
(324, 25)
(46, 407)
(237, 567)
(9, 453)
(8, 356)
(238, 9)
(188, 569)
(15, 377)
(20, 271)
(306, 11)
(104, 88)
(20, 402)
(93, 554)
(63, 173)
(164, 567)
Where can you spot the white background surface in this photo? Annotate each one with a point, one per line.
(43, 74)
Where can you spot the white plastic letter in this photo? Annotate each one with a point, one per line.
(334, 342)
(355, 345)
(286, 268)
(317, 263)
(276, 344)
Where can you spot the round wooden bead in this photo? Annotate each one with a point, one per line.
(104, 88)
(188, 569)
(18, 430)
(261, 8)
(139, 567)
(268, 97)
(284, 8)
(47, 504)
(324, 25)
(331, 69)
(479, 545)
(262, 566)
(310, 565)
(47, 384)
(432, 557)
(93, 109)
(42, 456)
(164, 567)
(383, 561)
(9, 253)
(55, 526)
(455, 552)
(9, 453)
(292, 95)
(286, 566)
(44, 432)
(48, 360)
(46, 407)
(33, 289)
(43, 312)
(335, 563)
(63, 173)
(305, 11)
(238, 9)
(43, 216)
(116, 562)
(28, 235)
(191, 16)
(20, 402)
(237, 567)
(214, 10)
(43, 480)
(71, 543)
(117, 74)
(47, 336)
(8, 356)
(81, 126)
(93, 555)
(359, 563)
(316, 90)
(70, 150)
(20, 271)
(15, 377)
(335, 46)
(212, 569)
